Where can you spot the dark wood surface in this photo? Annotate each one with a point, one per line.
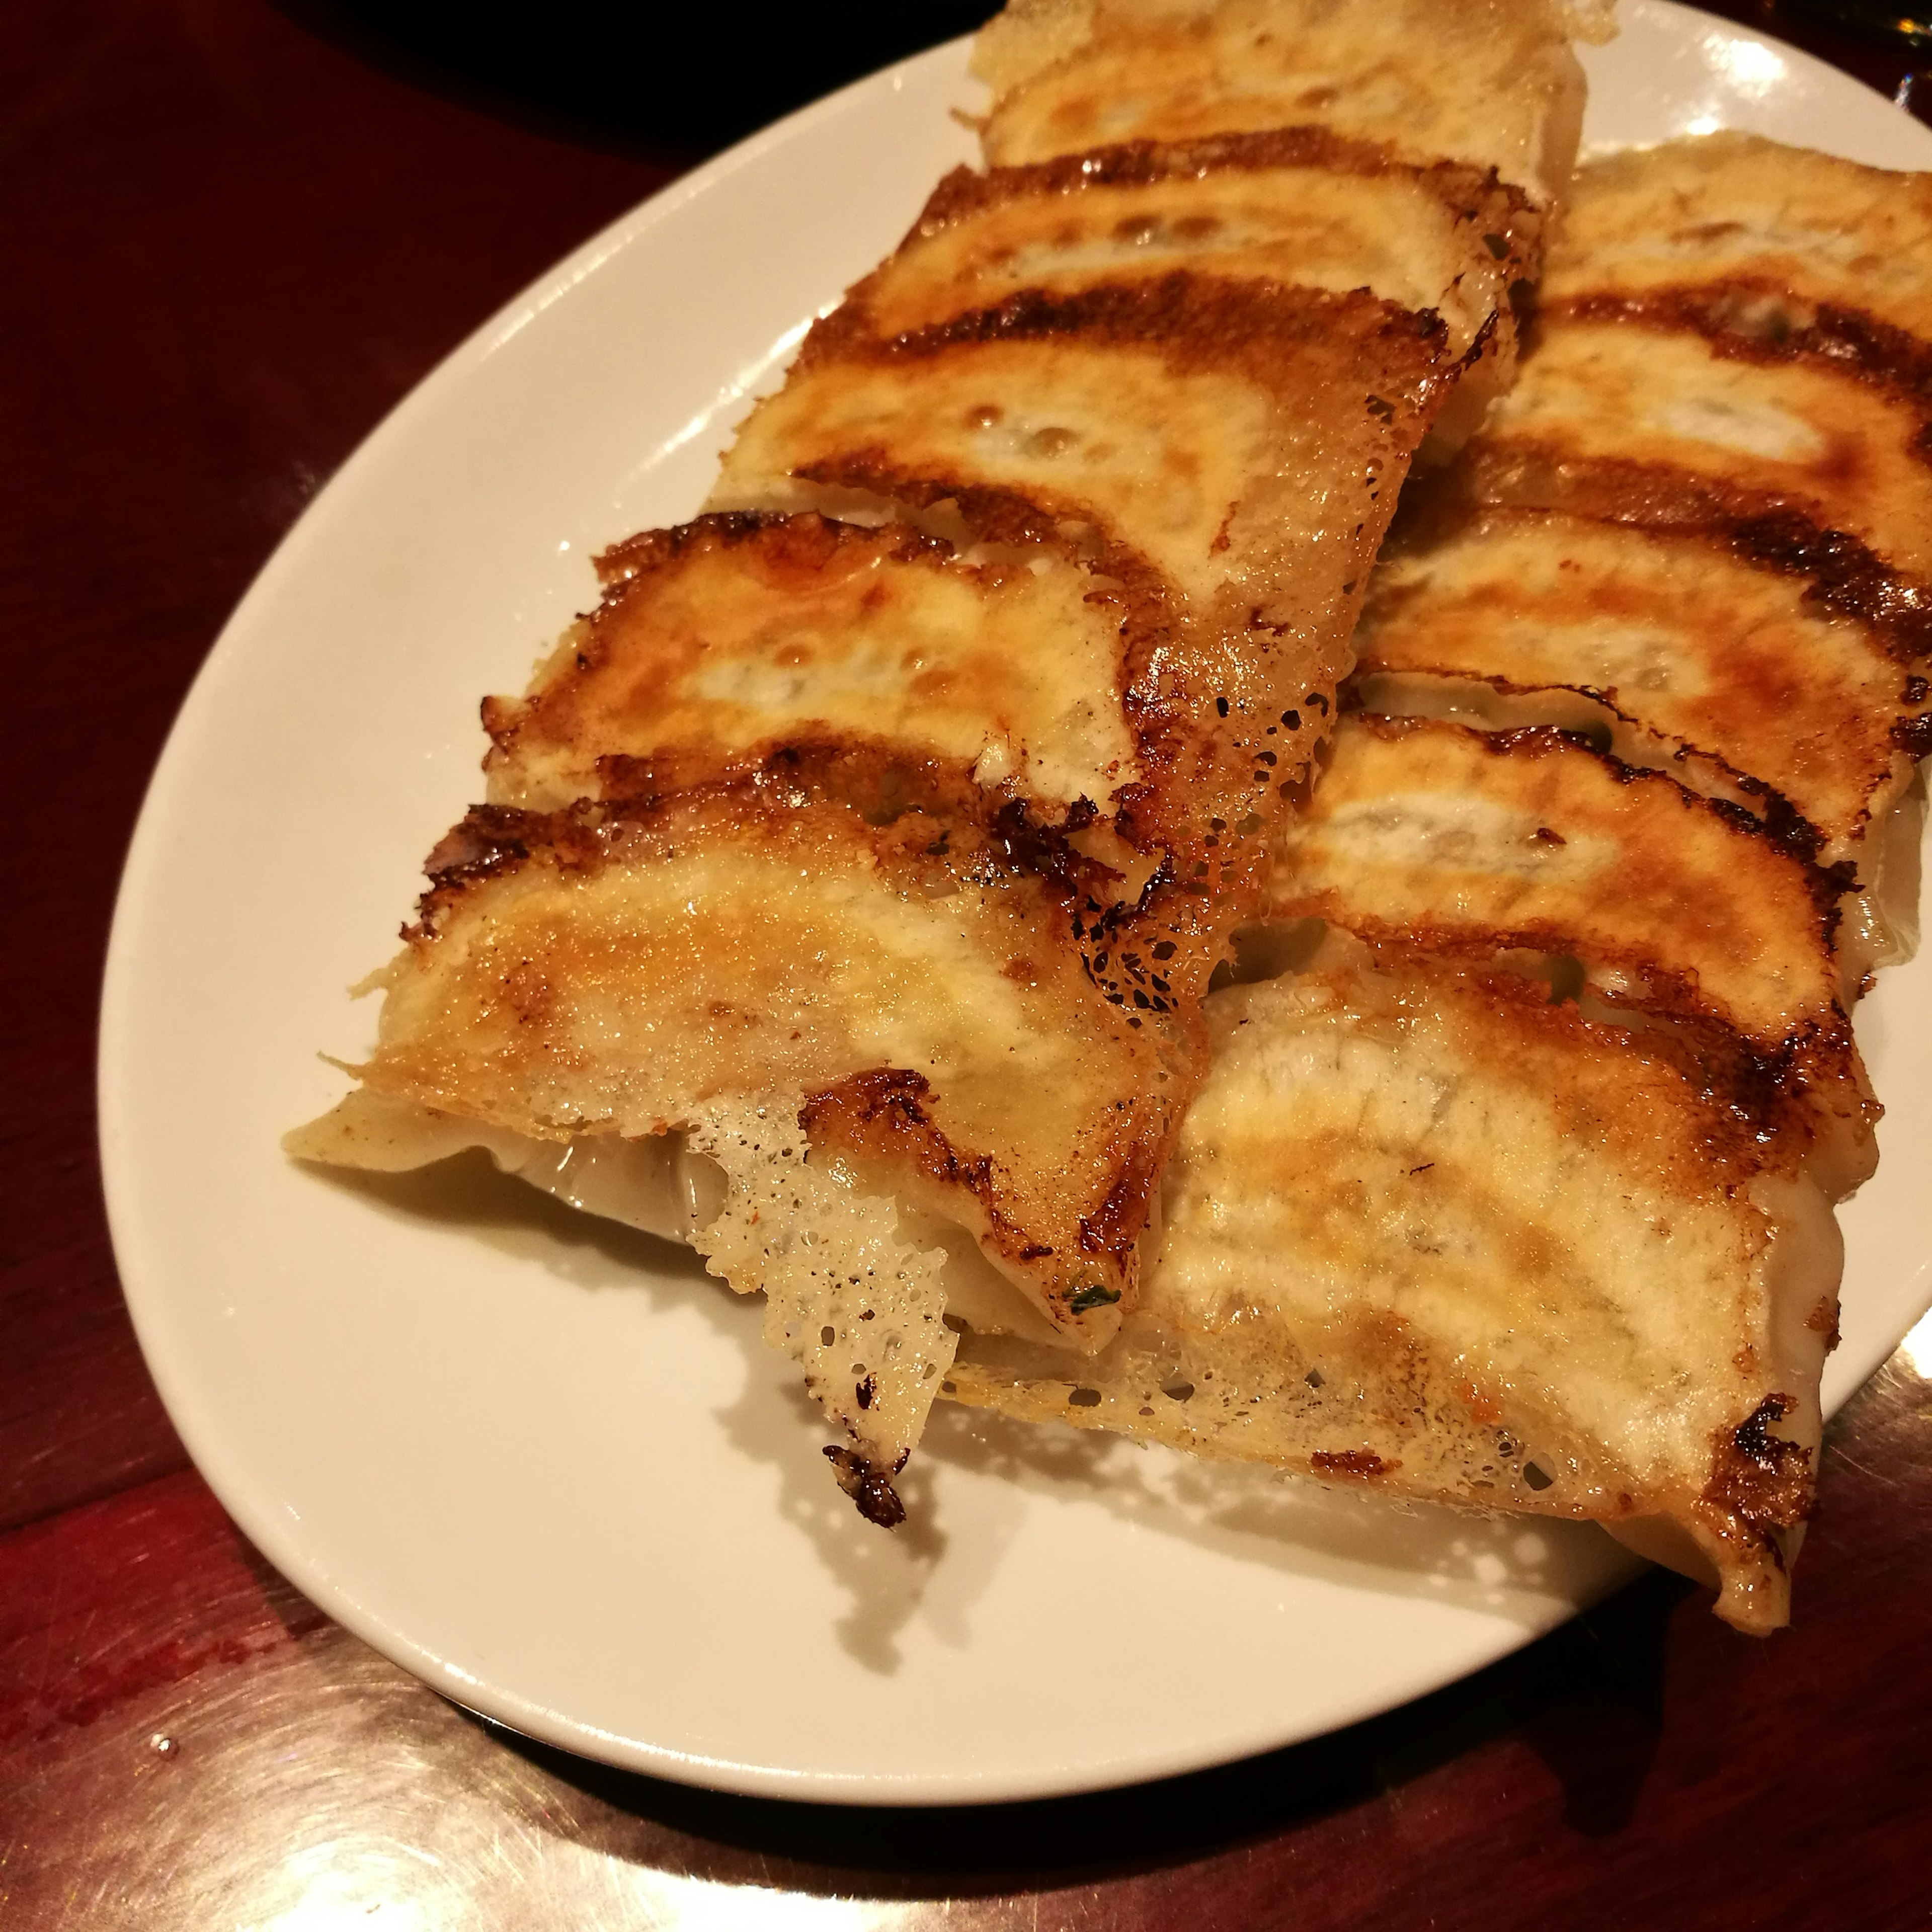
(235, 234)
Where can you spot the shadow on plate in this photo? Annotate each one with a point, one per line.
(934, 1569)
(1508, 1564)
(773, 1420)
(1587, 1699)
(655, 81)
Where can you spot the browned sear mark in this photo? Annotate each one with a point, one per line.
(868, 1485)
(1350, 1462)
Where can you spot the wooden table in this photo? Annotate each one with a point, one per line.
(235, 235)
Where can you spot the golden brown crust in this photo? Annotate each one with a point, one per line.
(738, 639)
(883, 1117)
(1491, 83)
(1467, 189)
(1428, 1230)
(1759, 1481)
(1748, 661)
(1298, 206)
(1807, 230)
(1427, 837)
(700, 864)
(1192, 321)
(1438, 1161)
(803, 544)
(1751, 318)
(1230, 451)
(749, 835)
(1727, 253)
(1679, 428)
(611, 966)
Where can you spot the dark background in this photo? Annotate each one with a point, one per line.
(648, 80)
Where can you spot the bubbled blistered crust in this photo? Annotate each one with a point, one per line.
(1618, 418)
(1490, 83)
(847, 1296)
(1432, 1234)
(1851, 245)
(721, 643)
(957, 924)
(1426, 836)
(619, 967)
(1237, 449)
(1695, 533)
(1301, 207)
(1747, 668)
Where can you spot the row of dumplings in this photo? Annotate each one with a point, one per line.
(1512, 1182)
(900, 807)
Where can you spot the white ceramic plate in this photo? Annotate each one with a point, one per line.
(547, 1466)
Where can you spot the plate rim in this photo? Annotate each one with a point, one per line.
(145, 858)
